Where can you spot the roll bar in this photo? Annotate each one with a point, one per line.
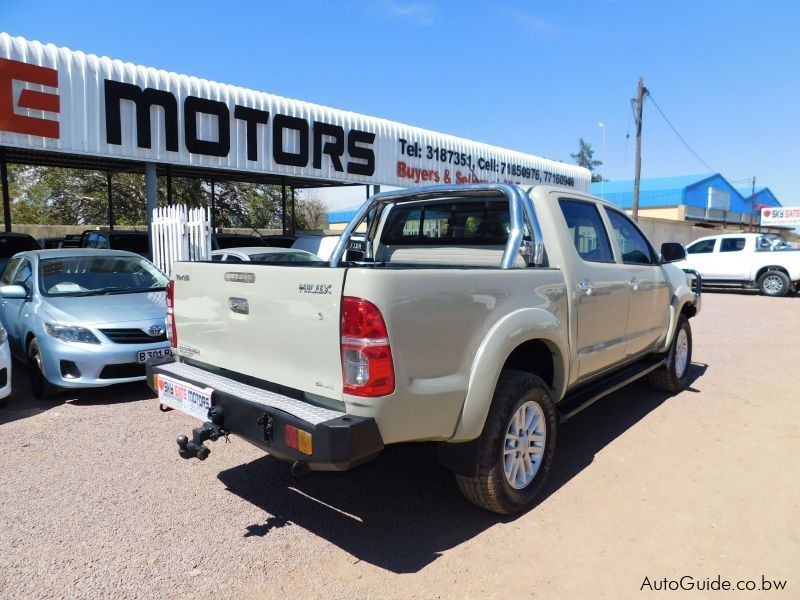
(521, 211)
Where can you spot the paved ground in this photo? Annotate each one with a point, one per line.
(95, 501)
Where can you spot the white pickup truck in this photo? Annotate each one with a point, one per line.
(475, 316)
(745, 260)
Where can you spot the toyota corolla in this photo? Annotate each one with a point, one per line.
(83, 318)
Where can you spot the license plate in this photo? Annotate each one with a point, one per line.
(145, 355)
(185, 397)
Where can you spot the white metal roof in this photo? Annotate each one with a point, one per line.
(71, 102)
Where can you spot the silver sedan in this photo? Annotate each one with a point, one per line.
(83, 318)
(264, 254)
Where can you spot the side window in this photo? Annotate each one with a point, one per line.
(587, 230)
(232, 258)
(9, 270)
(633, 246)
(23, 275)
(91, 240)
(731, 245)
(217, 258)
(701, 247)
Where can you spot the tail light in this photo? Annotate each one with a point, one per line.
(172, 331)
(367, 367)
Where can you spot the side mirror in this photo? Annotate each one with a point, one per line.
(672, 252)
(13, 292)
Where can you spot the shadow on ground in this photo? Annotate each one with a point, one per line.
(22, 404)
(401, 511)
(742, 292)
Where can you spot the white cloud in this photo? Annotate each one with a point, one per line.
(531, 22)
(420, 13)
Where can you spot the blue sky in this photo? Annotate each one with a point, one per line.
(531, 76)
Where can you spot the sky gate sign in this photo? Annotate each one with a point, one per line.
(54, 99)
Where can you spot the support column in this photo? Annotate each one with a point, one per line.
(169, 186)
(294, 221)
(213, 207)
(6, 194)
(110, 202)
(151, 189)
(283, 206)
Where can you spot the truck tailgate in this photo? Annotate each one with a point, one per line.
(275, 323)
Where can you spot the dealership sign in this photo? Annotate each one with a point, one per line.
(780, 216)
(54, 99)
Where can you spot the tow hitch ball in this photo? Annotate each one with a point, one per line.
(210, 430)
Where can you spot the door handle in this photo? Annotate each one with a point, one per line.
(634, 283)
(586, 286)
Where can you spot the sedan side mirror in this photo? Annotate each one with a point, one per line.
(672, 252)
(13, 292)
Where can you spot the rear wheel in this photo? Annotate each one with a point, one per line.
(774, 283)
(674, 376)
(517, 445)
(42, 388)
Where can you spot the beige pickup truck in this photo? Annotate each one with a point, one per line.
(478, 317)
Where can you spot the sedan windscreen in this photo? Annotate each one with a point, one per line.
(285, 257)
(96, 275)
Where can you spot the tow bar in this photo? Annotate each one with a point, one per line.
(210, 430)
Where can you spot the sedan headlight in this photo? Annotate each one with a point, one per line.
(3, 335)
(70, 333)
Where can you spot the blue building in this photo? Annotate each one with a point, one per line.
(706, 198)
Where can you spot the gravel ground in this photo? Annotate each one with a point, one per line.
(97, 503)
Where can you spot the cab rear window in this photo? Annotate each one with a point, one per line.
(452, 222)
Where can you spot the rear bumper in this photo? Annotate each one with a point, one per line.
(338, 441)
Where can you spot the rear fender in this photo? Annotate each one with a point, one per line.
(508, 333)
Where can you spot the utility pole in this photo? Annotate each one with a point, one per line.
(602, 127)
(641, 91)
(753, 204)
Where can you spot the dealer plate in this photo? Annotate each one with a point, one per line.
(185, 397)
(145, 355)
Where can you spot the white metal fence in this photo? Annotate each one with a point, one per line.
(180, 233)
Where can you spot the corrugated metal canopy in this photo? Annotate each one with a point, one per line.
(94, 163)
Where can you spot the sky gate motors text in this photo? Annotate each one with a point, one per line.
(315, 139)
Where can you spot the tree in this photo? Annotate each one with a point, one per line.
(57, 196)
(585, 158)
(313, 210)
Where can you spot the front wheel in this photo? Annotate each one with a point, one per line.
(674, 376)
(517, 445)
(42, 388)
(774, 283)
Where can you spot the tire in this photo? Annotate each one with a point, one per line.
(516, 393)
(774, 283)
(42, 388)
(673, 377)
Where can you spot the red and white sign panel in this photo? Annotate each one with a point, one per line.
(777, 215)
(63, 101)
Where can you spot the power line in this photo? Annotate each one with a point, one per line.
(680, 137)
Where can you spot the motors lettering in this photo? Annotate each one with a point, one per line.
(315, 139)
